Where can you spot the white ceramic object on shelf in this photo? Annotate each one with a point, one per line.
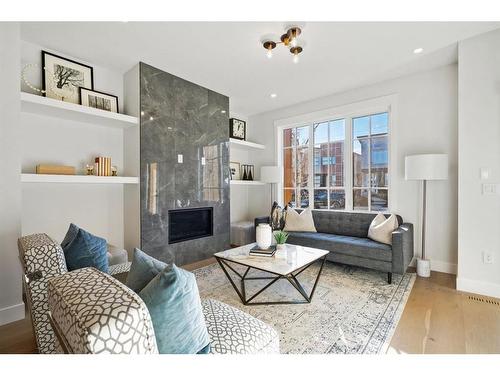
(281, 246)
(264, 236)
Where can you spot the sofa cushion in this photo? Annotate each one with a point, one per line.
(233, 331)
(83, 249)
(354, 246)
(174, 303)
(345, 223)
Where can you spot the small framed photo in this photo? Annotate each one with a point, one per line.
(237, 129)
(62, 77)
(99, 100)
(234, 168)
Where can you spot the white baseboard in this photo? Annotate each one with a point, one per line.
(478, 287)
(12, 313)
(439, 266)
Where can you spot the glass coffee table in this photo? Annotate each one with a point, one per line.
(285, 264)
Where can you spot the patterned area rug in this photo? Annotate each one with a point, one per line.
(353, 310)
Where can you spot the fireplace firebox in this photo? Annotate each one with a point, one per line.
(189, 224)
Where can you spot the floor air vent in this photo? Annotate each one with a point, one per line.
(484, 300)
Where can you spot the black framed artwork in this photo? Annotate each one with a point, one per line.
(99, 100)
(62, 77)
(237, 129)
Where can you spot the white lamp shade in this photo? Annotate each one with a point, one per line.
(426, 167)
(270, 174)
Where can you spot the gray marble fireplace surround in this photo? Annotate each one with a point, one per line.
(181, 118)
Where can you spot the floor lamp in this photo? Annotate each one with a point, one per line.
(425, 167)
(272, 176)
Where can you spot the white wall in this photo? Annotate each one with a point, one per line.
(11, 304)
(479, 147)
(425, 121)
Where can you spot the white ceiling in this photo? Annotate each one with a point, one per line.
(229, 58)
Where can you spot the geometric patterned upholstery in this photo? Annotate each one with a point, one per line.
(95, 313)
(116, 269)
(233, 331)
(41, 258)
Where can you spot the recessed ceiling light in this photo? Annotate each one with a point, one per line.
(222, 111)
(418, 50)
(274, 95)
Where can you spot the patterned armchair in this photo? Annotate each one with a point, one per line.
(87, 311)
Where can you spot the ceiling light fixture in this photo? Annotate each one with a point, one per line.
(416, 51)
(289, 40)
(273, 96)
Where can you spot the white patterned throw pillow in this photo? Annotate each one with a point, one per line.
(381, 228)
(296, 222)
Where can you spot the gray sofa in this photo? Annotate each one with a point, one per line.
(344, 234)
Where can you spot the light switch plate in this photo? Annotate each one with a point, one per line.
(203, 161)
(489, 189)
(180, 158)
(485, 173)
(487, 257)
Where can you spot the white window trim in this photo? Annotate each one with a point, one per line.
(381, 104)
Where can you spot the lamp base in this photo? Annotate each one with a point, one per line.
(423, 267)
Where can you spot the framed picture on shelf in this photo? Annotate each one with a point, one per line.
(62, 77)
(99, 100)
(237, 129)
(234, 168)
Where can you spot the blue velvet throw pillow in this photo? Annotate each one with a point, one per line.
(83, 249)
(174, 305)
(142, 270)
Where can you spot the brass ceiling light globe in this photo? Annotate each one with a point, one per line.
(269, 46)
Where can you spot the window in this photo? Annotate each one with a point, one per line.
(339, 164)
(370, 160)
(329, 190)
(296, 166)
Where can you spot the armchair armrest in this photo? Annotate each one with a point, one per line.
(402, 247)
(262, 219)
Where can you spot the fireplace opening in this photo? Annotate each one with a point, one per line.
(189, 224)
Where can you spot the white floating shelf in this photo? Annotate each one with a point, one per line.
(244, 182)
(41, 105)
(77, 179)
(245, 144)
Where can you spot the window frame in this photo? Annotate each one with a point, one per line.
(348, 113)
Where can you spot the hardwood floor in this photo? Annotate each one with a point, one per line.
(437, 319)
(440, 320)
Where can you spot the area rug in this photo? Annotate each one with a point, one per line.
(353, 310)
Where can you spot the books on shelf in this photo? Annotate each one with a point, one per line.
(103, 166)
(55, 169)
(256, 251)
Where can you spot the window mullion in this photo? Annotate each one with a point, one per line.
(328, 156)
(310, 178)
(370, 165)
(348, 165)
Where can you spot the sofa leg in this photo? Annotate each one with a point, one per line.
(389, 277)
